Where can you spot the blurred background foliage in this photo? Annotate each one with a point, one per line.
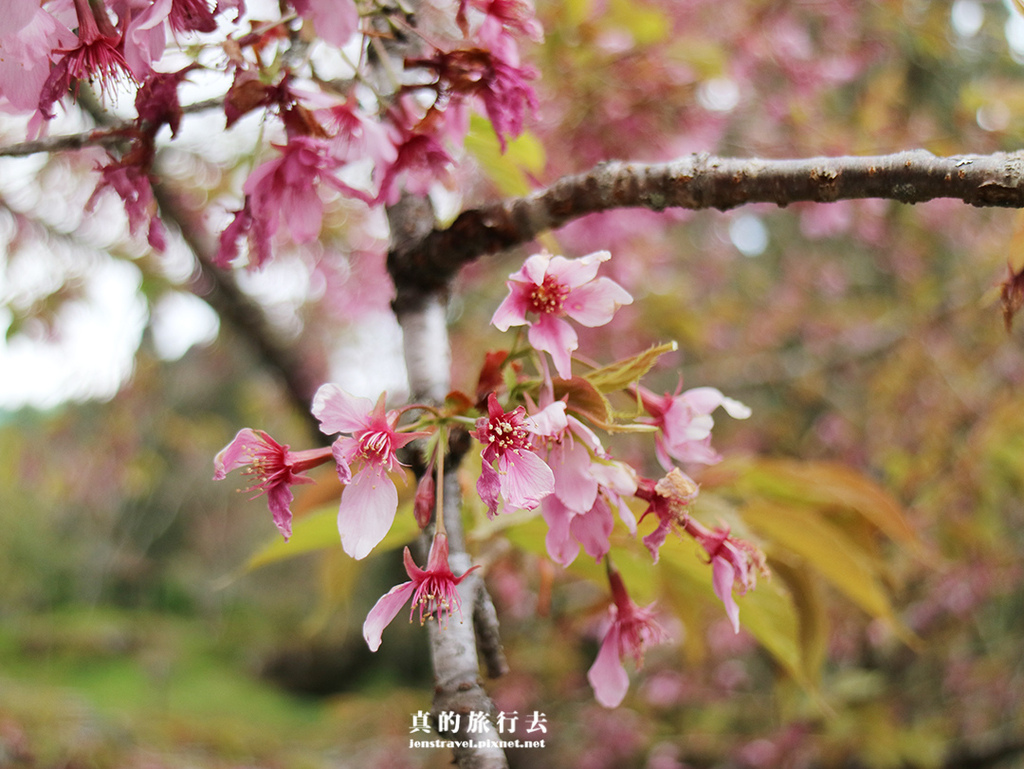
(882, 470)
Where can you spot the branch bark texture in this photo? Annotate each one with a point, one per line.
(704, 181)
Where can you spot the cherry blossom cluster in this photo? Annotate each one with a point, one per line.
(325, 131)
(539, 451)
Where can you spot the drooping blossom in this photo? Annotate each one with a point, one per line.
(522, 479)
(130, 181)
(192, 16)
(434, 591)
(420, 161)
(591, 528)
(364, 456)
(732, 561)
(496, 80)
(552, 287)
(630, 630)
(273, 467)
(355, 135)
(283, 191)
(504, 18)
(668, 499)
(98, 56)
(684, 423)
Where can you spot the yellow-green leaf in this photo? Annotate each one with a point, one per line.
(509, 170)
(623, 373)
(826, 549)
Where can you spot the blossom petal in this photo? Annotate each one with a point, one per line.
(556, 337)
(549, 421)
(279, 499)
(577, 272)
(534, 269)
(512, 310)
(385, 610)
(238, 453)
(595, 303)
(593, 529)
(340, 412)
(488, 486)
(367, 511)
(607, 675)
(723, 576)
(574, 485)
(527, 479)
(561, 547)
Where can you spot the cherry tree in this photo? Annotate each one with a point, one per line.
(389, 153)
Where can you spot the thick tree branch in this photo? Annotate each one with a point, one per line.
(703, 181)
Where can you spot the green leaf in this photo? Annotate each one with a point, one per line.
(824, 547)
(524, 155)
(805, 593)
(623, 373)
(823, 485)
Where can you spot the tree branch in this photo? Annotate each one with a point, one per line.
(703, 181)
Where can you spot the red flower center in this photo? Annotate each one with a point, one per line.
(505, 432)
(548, 297)
(375, 446)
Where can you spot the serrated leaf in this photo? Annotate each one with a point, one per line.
(623, 373)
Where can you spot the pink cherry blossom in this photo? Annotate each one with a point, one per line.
(732, 561)
(684, 423)
(420, 161)
(493, 77)
(365, 457)
(355, 135)
(590, 527)
(131, 182)
(192, 16)
(434, 591)
(28, 36)
(630, 630)
(283, 191)
(552, 287)
(522, 479)
(668, 500)
(145, 36)
(274, 468)
(98, 56)
(505, 18)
